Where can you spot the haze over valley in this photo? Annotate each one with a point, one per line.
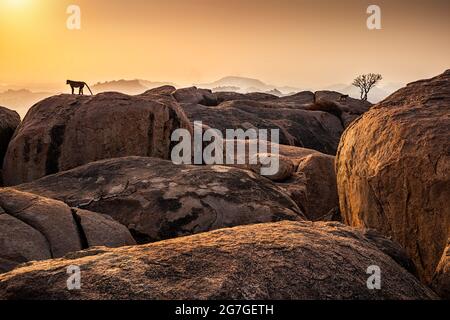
(21, 100)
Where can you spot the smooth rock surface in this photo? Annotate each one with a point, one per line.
(285, 260)
(157, 199)
(393, 170)
(38, 228)
(66, 131)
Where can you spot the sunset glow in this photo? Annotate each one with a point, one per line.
(296, 43)
(16, 3)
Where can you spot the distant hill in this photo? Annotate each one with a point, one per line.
(245, 85)
(21, 100)
(131, 87)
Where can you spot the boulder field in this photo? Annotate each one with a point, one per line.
(91, 184)
(393, 170)
(309, 125)
(284, 260)
(306, 175)
(157, 199)
(66, 131)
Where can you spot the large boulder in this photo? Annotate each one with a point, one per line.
(9, 121)
(164, 90)
(66, 131)
(157, 199)
(345, 108)
(306, 175)
(393, 170)
(300, 98)
(37, 228)
(197, 96)
(349, 105)
(285, 260)
(441, 278)
(313, 186)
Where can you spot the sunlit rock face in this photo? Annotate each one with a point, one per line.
(441, 278)
(157, 199)
(284, 260)
(66, 131)
(37, 228)
(393, 170)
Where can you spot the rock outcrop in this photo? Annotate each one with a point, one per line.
(393, 170)
(9, 121)
(158, 200)
(66, 131)
(301, 118)
(297, 127)
(196, 96)
(350, 107)
(313, 186)
(285, 260)
(164, 90)
(37, 228)
(306, 175)
(441, 278)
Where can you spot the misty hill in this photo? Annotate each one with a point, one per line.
(21, 100)
(131, 87)
(245, 85)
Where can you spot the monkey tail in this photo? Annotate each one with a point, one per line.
(89, 89)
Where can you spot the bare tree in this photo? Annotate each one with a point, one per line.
(366, 82)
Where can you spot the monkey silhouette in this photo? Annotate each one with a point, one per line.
(78, 84)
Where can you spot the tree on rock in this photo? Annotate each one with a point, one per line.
(366, 82)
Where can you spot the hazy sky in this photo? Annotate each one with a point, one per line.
(283, 42)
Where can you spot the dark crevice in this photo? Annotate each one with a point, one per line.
(173, 229)
(5, 137)
(81, 234)
(54, 149)
(174, 125)
(141, 238)
(26, 149)
(151, 124)
(209, 102)
(328, 107)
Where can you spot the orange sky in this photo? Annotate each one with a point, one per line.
(282, 42)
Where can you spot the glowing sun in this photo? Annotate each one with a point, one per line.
(16, 3)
